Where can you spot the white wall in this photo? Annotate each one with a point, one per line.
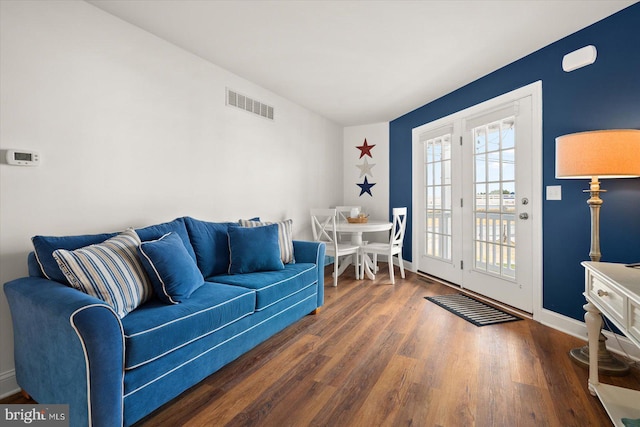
(133, 131)
(376, 205)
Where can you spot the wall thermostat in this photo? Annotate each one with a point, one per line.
(23, 158)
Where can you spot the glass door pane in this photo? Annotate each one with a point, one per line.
(494, 202)
(437, 158)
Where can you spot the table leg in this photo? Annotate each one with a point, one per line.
(346, 262)
(593, 320)
(368, 266)
(356, 239)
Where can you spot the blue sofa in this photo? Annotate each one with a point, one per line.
(72, 348)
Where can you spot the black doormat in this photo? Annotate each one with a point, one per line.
(472, 310)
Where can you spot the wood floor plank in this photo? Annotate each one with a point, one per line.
(389, 393)
(347, 351)
(381, 355)
(342, 407)
(237, 398)
(524, 361)
(532, 411)
(459, 392)
(494, 377)
(277, 398)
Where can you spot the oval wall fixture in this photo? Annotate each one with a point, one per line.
(579, 58)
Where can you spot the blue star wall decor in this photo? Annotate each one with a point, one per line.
(365, 187)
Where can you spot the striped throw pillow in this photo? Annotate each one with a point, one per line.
(110, 271)
(285, 237)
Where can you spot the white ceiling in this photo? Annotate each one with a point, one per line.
(361, 62)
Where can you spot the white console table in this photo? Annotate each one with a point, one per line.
(612, 290)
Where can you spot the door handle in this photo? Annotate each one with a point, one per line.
(524, 215)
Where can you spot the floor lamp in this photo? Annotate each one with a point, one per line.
(593, 155)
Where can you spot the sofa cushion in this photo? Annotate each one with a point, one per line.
(285, 236)
(110, 271)
(211, 245)
(254, 249)
(45, 245)
(173, 273)
(155, 329)
(154, 232)
(273, 286)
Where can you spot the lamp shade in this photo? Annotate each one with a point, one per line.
(601, 153)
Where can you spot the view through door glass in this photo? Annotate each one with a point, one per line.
(438, 197)
(495, 198)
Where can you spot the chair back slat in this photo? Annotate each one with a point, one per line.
(323, 224)
(399, 225)
(343, 212)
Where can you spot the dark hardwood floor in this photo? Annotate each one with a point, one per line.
(381, 355)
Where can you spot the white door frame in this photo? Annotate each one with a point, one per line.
(535, 91)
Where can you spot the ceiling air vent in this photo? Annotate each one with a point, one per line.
(235, 99)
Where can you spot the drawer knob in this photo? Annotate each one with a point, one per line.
(602, 293)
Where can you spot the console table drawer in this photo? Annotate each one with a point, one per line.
(605, 295)
(634, 320)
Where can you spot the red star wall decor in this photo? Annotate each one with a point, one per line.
(365, 149)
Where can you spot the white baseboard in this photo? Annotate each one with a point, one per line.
(615, 343)
(408, 266)
(8, 384)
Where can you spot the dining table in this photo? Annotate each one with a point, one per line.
(356, 230)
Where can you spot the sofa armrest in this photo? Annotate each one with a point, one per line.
(69, 349)
(313, 252)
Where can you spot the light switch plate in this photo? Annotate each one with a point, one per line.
(554, 192)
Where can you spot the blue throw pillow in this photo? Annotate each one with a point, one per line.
(285, 235)
(44, 246)
(174, 274)
(176, 226)
(211, 245)
(254, 249)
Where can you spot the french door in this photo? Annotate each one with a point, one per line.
(476, 205)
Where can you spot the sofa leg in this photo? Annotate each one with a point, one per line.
(25, 394)
(316, 311)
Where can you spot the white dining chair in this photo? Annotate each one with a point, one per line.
(394, 247)
(342, 213)
(323, 223)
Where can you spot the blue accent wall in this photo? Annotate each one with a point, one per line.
(604, 95)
